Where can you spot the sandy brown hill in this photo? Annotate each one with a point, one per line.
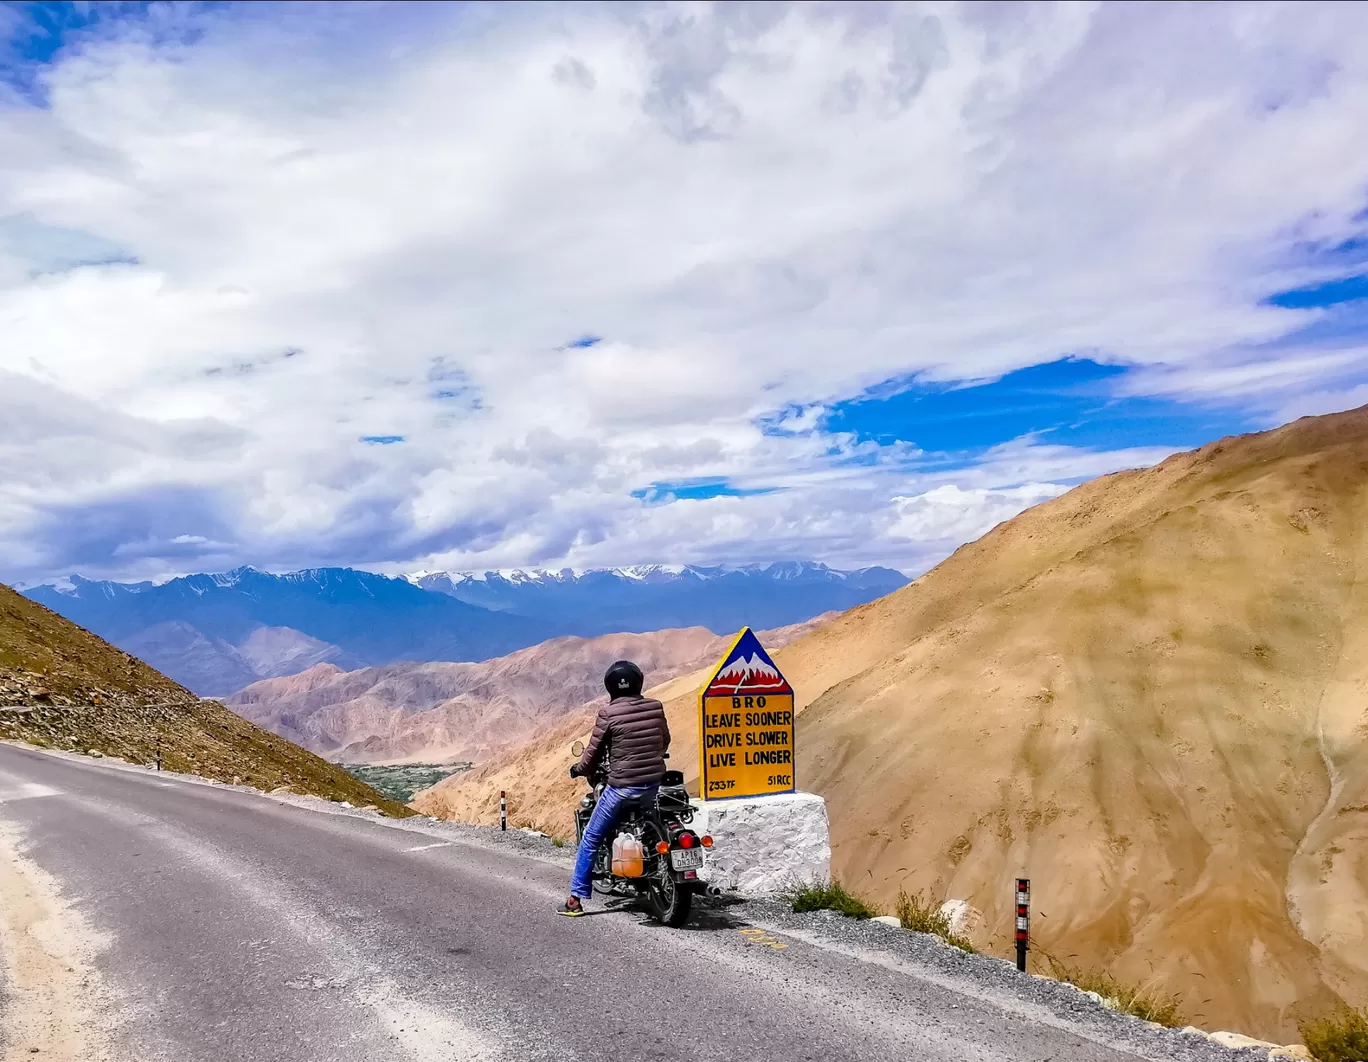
(533, 771)
(1150, 696)
(1147, 695)
(437, 712)
(85, 694)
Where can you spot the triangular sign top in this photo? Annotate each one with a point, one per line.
(746, 669)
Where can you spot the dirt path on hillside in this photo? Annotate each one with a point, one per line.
(47, 952)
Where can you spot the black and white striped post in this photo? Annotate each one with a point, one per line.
(503, 811)
(1023, 921)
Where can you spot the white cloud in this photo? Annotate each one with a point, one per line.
(950, 515)
(339, 217)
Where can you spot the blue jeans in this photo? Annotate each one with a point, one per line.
(603, 819)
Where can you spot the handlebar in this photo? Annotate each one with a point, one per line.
(600, 772)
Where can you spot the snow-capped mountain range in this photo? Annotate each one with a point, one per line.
(218, 632)
(782, 571)
(658, 573)
(651, 597)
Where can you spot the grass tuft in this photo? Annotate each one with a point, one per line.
(1338, 1037)
(1137, 1001)
(828, 896)
(924, 916)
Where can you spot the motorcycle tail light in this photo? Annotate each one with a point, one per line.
(705, 840)
(686, 840)
(662, 847)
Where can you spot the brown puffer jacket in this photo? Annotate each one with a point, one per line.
(633, 733)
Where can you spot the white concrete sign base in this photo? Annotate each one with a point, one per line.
(762, 845)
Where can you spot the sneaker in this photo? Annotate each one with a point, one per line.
(572, 908)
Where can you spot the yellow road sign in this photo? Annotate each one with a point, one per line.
(745, 728)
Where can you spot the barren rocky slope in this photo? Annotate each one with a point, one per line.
(438, 712)
(1149, 695)
(62, 687)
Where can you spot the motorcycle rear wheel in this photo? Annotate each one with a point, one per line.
(667, 899)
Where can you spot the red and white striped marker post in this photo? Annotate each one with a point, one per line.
(503, 811)
(1023, 920)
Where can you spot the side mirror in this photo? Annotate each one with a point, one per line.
(577, 749)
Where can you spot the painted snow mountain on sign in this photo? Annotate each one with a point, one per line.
(748, 669)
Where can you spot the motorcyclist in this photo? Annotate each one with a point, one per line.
(632, 731)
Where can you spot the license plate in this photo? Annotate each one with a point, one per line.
(686, 858)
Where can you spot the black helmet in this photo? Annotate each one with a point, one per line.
(623, 679)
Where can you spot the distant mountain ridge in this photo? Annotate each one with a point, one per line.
(220, 632)
(217, 633)
(440, 712)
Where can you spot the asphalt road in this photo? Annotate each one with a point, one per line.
(229, 926)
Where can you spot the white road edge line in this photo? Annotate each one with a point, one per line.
(425, 847)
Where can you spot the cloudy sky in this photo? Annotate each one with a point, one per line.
(471, 286)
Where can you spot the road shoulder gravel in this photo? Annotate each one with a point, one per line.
(992, 980)
(55, 1005)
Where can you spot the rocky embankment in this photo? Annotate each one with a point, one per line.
(61, 687)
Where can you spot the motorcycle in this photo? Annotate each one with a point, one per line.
(651, 853)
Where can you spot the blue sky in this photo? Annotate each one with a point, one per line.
(1338, 291)
(476, 286)
(1069, 402)
(36, 33)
